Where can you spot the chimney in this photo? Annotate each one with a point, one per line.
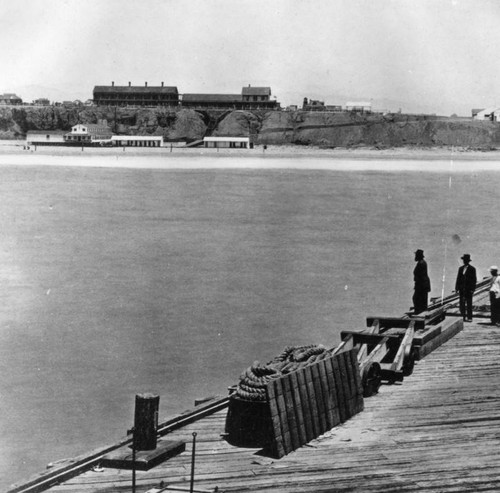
(145, 84)
(129, 84)
(113, 83)
(162, 84)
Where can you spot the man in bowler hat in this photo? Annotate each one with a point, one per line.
(465, 287)
(422, 283)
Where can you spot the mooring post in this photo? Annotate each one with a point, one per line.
(146, 421)
(191, 488)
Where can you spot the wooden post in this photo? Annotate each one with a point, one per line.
(146, 421)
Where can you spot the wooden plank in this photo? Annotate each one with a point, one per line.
(297, 400)
(406, 342)
(348, 378)
(327, 398)
(377, 354)
(290, 412)
(277, 446)
(320, 401)
(122, 458)
(312, 401)
(358, 384)
(341, 393)
(306, 407)
(345, 345)
(435, 315)
(350, 373)
(363, 349)
(333, 396)
(448, 331)
(282, 413)
(360, 338)
(396, 322)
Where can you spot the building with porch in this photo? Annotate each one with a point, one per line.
(84, 133)
(10, 99)
(219, 101)
(137, 140)
(359, 106)
(256, 94)
(136, 95)
(227, 142)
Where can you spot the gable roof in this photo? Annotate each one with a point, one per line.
(9, 95)
(488, 111)
(256, 91)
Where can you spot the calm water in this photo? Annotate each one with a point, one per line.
(116, 282)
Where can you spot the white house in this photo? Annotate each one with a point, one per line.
(87, 133)
(45, 137)
(492, 113)
(227, 142)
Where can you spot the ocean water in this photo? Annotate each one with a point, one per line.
(121, 281)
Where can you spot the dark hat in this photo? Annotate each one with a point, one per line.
(465, 256)
(419, 252)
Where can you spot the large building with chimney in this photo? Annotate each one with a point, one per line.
(249, 98)
(136, 95)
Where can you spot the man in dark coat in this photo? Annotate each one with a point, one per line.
(422, 283)
(465, 287)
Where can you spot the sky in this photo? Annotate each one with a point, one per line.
(420, 56)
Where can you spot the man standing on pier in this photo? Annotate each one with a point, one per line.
(465, 287)
(422, 283)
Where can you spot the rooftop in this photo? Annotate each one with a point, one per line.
(256, 91)
(136, 89)
(223, 98)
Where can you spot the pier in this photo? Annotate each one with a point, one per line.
(438, 430)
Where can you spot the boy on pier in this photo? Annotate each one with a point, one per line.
(495, 296)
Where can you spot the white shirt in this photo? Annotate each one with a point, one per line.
(495, 286)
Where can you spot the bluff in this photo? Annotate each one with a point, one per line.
(323, 129)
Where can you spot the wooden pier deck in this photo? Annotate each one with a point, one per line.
(438, 431)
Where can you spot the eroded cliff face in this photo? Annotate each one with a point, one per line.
(272, 127)
(394, 130)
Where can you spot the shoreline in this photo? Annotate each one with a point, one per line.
(274, 157)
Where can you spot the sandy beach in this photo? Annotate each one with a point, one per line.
(274, 157)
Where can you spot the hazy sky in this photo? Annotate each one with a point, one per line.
(434, 56)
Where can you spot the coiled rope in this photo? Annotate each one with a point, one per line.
(253, 381)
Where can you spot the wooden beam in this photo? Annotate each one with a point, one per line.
(396, 322)
(449, 329)
(406, 343)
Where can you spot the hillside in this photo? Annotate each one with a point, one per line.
(265, 127)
